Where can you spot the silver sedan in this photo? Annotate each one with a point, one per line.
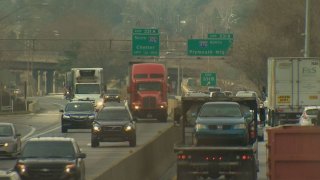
(10, 141)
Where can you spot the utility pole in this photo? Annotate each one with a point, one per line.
(307, 30)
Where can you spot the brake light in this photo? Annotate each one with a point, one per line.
(213, 158)
(183, 157)
(246, 157)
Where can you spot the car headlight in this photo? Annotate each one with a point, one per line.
(66, 116)
(239, 126)
(117, 96)
(99, 103)
(6, 144)
(201, 127)
(128, 128)
(91, 116)
(69, 168)
(96, 128)
(136, 107)
(21, 168)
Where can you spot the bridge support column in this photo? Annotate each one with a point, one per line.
(39, 93)
(45, 82)
(54, 82)
(49, 81)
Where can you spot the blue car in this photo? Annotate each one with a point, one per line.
(221, 123)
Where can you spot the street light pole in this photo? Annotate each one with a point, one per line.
(307, 29)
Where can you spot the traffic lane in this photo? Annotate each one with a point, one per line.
(107, 154)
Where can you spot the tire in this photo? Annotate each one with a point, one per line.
(64, 129)
(163, 117)
(250, 172)
(133, 142)
(94, 143)
(182, 174)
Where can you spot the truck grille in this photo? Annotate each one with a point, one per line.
(112, 128)
(46, 171)
(149, 102)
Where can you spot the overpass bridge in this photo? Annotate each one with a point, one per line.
(38, 71)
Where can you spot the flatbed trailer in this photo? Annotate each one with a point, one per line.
(231, 161)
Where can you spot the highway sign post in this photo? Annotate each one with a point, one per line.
(208, 47)
(145, 42)
(208, 79)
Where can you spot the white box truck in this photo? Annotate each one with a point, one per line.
(293, 83)
(88, 85)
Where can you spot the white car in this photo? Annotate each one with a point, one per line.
(10, 141)
(309, 113)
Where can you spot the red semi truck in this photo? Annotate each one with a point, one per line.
(148, 91)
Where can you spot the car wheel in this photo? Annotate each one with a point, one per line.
(133, 142)
(94, 143)
(64, 129)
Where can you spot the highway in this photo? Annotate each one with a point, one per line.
(47, 123)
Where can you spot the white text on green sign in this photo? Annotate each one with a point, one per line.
(220, 36)
(208, 47)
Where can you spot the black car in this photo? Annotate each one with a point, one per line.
(77, 115)
(113, 124)
(46, 158)
(112, 94)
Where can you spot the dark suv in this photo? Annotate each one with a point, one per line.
(77, 115)
(113, 124)
(112, 94)
(46, 158)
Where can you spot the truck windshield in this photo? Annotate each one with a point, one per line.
(220, 110)
(87, 89)
(150, 86)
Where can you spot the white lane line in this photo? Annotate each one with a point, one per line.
(29, 134)
(45, 132)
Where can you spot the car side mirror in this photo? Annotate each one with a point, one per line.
(18, 135)
(82, 155)
(194, 114)
(61, 110)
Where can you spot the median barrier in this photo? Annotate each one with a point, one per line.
(148, 162)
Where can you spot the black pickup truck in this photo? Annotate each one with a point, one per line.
(231, 146)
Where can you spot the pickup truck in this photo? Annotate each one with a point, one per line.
(221, 145)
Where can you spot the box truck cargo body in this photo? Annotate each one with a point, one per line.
(293, 83)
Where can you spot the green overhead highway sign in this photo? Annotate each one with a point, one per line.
(145, 42)
(208, 79)
(208, 47)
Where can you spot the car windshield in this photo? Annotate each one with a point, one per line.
(220, 110)
(5, 130)
(113, 114)
(88, 89)
(48, 149)
(312, 111)
(151, 86)
(79, 107)
(112, 91)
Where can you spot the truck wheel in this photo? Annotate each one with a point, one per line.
(163, 117)
(94, 143)
(133, 142)
(182, 174)
(250, 172)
